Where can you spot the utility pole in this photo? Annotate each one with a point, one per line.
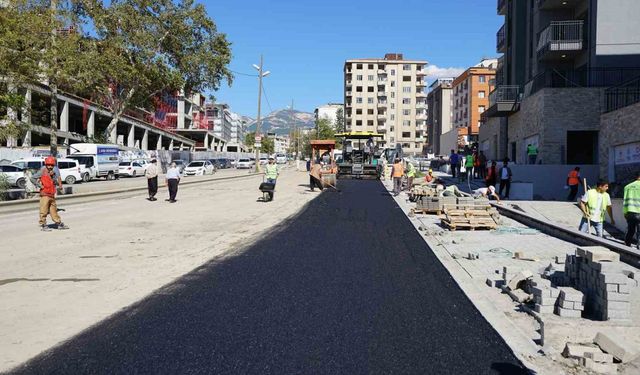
(260, 75)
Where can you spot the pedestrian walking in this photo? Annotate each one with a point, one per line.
(397, 171)
(411, 174)
(151, 172)
(593, 204)
(468, 164)
(491, 175)
(532, 153)
(631, 209)
(47, 179)
(271, 171)
(573, 182)
(454, 161)
(482, 165)
(315, 177)
(505, 179)
(172, 179)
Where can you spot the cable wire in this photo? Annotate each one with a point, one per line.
(264, 91)
(243, 74)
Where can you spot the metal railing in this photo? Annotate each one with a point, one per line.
(577, 78)
(622, 95)
(561, 36)
(501, 39)
(505, 94)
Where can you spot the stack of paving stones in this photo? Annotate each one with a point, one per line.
(570, 303)
(465, 200)
(545, 296)
(598, 273)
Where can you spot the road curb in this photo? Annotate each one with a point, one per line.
(31, 204)
(628, 255)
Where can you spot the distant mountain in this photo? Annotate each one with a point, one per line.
(281, 121)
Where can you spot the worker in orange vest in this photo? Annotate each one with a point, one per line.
(397, 171)
(47, 179)
(573, 182)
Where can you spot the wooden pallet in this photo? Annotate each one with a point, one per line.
(426, 212)
(458, 225)
(471, 218)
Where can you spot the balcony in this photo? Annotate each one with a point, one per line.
(580, 78)
(382, 104)
(561, 40)
(348, 83)
(501, 40)
(558, 4)
(382, 94)
(502, 7)
(381, 129)
(348, 93)
(421, 105)
(382, 116)
(421, 72)
(503, 101)
(421, 94)
(421, 83)
(622, 96)
(382, 72)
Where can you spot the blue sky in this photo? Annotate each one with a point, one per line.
(305, 42)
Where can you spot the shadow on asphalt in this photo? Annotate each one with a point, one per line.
(347, 286)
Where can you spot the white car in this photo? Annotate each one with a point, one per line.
(70, 171)
(264, 161)
(281, 159)
(198, 168)
(15, 175)
(130, 168)
(244, 163)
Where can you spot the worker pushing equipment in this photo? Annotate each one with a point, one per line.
(47, 179)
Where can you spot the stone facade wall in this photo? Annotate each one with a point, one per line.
(489, 139)
(549, 114)
(618, 128)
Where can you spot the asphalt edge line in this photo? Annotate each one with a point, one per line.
(519, 343)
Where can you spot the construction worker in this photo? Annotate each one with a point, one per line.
(411, 174)
(593, 205)
(631, 208)
(532, 153)
(429, 177)
(315, 177)
(469, 164)
(47, 179)
(397, 171)
(573, 182)
(505, 176)
(486, 192)
(271, 171)
(454, 160)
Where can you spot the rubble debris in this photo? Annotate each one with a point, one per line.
(577, 351)
(495, 283)
(615, 345)
(519, 278)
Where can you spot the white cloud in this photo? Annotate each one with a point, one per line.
(435, 72)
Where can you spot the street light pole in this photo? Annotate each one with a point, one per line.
(260, 76)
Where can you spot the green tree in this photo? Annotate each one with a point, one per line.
(143, 48)
(324, 129)
(339, 123)
(267, 145)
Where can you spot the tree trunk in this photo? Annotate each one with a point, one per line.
(53, 124)
(112, 125)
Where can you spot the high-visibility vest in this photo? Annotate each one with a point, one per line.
(398, 170)
(631, 200)
(592, 202)
(574, 178)
(411, 170)
(271, 171)
(532, 150)
(468, 163)
(48, 185)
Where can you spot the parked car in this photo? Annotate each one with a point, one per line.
(15, 175)
(224, 163)
(281, 159)
(264, 161)
(70, 170)
(244, 163)
(180, 164)
(198, 168)
(130, 168)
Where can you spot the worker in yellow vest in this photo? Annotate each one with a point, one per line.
(397, 171)
(593, 205)
(631, 209)
(411, 174)
(532, 153)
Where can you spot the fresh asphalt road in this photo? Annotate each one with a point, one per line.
(346, 287)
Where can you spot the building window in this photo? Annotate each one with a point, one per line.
(358, 88)
(406, 79)
(406, 145)
(393, 94)
(370, 78)
(358, 111)
(370, 66)
(406, 134)
(370, 89)
(393, 83)
(481, 94)
(370, 111)
(370, 123)
(393, 105)
(393, 72)
(406, 67)
(358, 100)
(406, 100)
(358, 122)
(406, 112)
(482, 79)
(406, 89)
(370, 100)
(359, 77)
(480, 109)
(406, 123)
(359, 66)
(392, 117)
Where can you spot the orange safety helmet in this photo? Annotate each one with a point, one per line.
(50, 160)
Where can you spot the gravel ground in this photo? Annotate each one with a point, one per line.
(346, 287)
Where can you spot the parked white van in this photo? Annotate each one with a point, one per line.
(99, 160)
(69, 168)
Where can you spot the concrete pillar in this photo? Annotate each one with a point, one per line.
(131, 139)
(64, 117)
(206, 141)
(171, 145)
(159, 143)
(91, 124)
(145, 140)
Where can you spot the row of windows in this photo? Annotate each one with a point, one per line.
(382, 66)
(371, 122)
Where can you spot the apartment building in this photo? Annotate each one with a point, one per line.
(219, 118)
(558, 59)
(238, 132)
(387, 96)
(328, 111)
(471, 99)
(440, 115)
(281, 143)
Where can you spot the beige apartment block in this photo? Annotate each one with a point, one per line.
(388, 96)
